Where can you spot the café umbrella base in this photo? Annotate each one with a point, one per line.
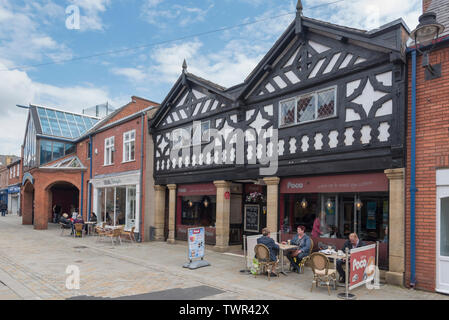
(192, 265)
(346, 296)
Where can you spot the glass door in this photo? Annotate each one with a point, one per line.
(443, 240)
(130, 207)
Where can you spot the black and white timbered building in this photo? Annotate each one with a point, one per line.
(325, 106)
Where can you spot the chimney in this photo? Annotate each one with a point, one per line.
(425, 5)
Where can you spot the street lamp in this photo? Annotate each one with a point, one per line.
(424, 35)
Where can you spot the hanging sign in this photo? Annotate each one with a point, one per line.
(362, 266)
(196, 243)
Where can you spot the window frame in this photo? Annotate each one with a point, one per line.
(129, 141)
(314, 93)
(192, 135)
(108, 150)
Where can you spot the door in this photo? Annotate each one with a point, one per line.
(442, 280)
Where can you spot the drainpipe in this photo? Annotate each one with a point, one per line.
(141, 176)
(90, 177)
(412, 175)
(82, 193)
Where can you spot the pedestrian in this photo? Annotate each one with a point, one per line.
(3, 207)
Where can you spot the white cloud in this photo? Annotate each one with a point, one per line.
(132, 74)
(18, 88)
(180, 14)
(365, 14)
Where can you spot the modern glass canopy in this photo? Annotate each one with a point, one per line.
(64, 124)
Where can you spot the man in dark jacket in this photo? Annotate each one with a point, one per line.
(352, 243)
(271, 245)
(3, 208)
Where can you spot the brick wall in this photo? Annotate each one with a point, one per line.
(432, 152)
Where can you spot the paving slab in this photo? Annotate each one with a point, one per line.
(42, 262)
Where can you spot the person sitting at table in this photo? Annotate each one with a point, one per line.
(271, 245)
(302, 240)
(64, 219)
(93, 217)
(352, 243)
(78, 220)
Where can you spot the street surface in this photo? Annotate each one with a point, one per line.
(33, 265)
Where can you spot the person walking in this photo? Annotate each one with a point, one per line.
(3, 208)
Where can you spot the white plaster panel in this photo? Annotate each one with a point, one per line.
(386, 109)
(318, 141)
(333, 139)
(351, 115)
(349, 134)
(384, 134)
(317, 68)
(291, 76)
(318, 47)
(332, 63)
(385, 78)
(305, 143)
(368, 97)
(346, 61)
(366, 135)
(352, 86)
(280, 82)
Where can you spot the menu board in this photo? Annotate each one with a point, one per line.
(252, 218)
(196, 243)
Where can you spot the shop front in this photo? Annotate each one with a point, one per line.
(116, 200)
(338, 205)
(196, 207)
(14, 199)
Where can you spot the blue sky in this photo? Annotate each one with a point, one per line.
(35, 32)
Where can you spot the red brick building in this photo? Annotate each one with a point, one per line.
(58, 169)
(432, 165)
(14, 182)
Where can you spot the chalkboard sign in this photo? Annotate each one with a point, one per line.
(252, 218)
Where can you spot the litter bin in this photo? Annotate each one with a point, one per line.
(152, 233)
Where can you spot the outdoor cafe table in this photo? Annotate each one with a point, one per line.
(90, 225)
(285, 247)
(113, 227)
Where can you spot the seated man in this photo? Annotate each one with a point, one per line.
(66, 222)
(271, 245)
(352, 243)
(302, 240)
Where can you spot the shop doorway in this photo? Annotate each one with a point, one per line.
(64, 197)
(442, 284)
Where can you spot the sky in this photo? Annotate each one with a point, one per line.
(122, 48)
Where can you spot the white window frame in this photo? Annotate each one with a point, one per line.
(10, 173)
(194, 139)
(109, 148)
(314, 93)
(18, 170)
(129, 141)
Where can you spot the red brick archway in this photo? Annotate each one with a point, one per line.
(44, 184)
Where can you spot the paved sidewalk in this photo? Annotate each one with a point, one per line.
(33, 266)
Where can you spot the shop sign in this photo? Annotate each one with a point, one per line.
(196, 243)
(13, 189)
(197, 190)
(369, 182)
(362, 266)
(250, 188)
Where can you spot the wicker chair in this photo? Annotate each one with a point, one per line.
(263, 256)
(101, 231)
(321, 272)
(64, 227)
(129, 234)
(115, 234)
(78, 230)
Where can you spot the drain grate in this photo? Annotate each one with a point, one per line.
(80, 247)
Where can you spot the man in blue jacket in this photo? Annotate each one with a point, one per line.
(271, 245)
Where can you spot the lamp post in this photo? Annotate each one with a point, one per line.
(424, 35)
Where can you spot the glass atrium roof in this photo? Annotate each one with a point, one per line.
(64, 124)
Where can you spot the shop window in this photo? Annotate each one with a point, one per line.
(339, 214)
(109, 151)
(129, 139)
(117, 206)
(198, 211)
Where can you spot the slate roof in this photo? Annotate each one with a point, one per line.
(441, 8)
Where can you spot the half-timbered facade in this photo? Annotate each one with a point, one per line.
(317, 127)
